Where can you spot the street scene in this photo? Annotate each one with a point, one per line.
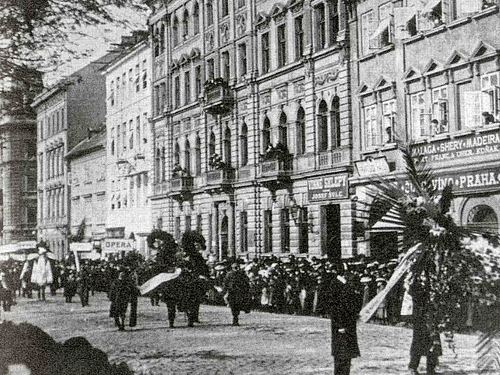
(264, 343)
(249, 186)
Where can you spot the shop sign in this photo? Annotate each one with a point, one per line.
(372, 166)
(328, 187)
(465, 181)
(112, 245)
(80, 246)
(486, 143)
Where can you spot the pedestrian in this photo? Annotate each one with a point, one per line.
(41, 275)
(425, 341)
(119, 295)
(345, 301)
(134, 296)
(237, 292)
(70, 285)
(83, 282)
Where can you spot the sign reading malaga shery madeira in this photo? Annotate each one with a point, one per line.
(471, 180)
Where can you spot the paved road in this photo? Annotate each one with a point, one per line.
(265, 343)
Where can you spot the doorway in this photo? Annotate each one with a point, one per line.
(331, 244)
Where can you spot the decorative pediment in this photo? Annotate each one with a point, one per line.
(432, 67)
(411, 74)
(483, 49)
(262, 20)
(277, 10)
(295, 5)
(195, 53)
(383, 83)
(174, 65)
(457, 58)
(184, 59)
(363, 89)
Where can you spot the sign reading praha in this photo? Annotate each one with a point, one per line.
(112, 245)
(465, 181)
(329, 187)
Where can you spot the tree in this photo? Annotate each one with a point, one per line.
(455, 266)
(35, 37)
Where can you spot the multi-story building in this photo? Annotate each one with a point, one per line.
(427, 72)
(17, 162)
(251, 114)
(86, 166)
(129, 142)
(65, 112)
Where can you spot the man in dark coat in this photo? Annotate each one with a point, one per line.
(120, 296)
(345, 302)
(426, 340)
(237, 289)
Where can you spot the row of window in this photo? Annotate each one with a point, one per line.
(54, 122)
(380, 26)
(329, 137)
(429, 111)
(54, 166)
(131, 136)
(55, 206)
(185, 95)
(130, 83)
(134, 196)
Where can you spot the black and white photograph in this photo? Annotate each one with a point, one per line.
(249, 187)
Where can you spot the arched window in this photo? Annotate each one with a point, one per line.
(185, 24)
(283, 131)
(198, 155)
(158, 165)
(162, 38)
(301, 131)
(323, 126)
(211, 145)
(175, 31)
(266, 134)
(177, 154)
(196, 19)
(210, 13)
(163, 161)
(227, 146)
(335, 121)
(244, 145)
(156, 41)
(484, 218)
(187, 157)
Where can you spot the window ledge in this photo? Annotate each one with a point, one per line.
(486, 12)
(378, 52)
(379, 149)
(459, 22)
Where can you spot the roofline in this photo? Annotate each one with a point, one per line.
(126, 54)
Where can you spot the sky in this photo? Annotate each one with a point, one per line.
(99, 41)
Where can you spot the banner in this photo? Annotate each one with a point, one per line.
(372, 306)
(157, 280)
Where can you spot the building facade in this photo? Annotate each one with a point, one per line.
(129, 143)
(87, 167)
(18, 209)
(427, 72)
(252, 125)
(65, 112)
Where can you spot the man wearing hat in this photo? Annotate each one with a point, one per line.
(237, 290)
(42, 272)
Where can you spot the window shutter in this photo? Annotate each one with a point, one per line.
(374, 42)
(472, 101)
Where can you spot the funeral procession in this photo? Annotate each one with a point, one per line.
(249, 187)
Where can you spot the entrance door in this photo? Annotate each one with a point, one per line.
(330, 232)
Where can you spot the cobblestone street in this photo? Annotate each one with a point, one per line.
(265, 343)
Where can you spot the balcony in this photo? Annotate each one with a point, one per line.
(180, 188)
(219, 181)
(275, 174)
(334, 158)
(218, 97)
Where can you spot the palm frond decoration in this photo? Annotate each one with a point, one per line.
(455, 266)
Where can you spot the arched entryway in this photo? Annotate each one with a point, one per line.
(482, 218)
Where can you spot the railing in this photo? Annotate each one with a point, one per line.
(334, 158)
(160, 188)
(218, 97)
(220, 177)
(275, 168)
(181, 184)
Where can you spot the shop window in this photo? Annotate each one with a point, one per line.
(285, 231)
(483, 218)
